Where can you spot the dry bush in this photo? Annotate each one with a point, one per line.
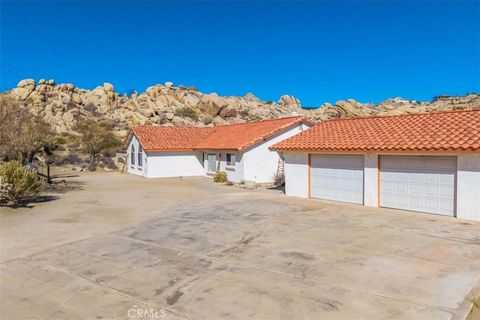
(220, 177)
(17, 183)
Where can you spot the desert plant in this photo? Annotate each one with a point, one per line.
(22, 134)
(94, 138)
(49, 147)
(17, 183)
(186, 112)
(220, 177)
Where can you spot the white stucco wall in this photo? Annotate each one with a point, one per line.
(468, 187)
(296, 174)
(234, 173)
(174, 164)
(370, 182)
(260, 164)
(134, 168)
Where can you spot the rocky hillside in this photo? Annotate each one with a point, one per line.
(62, 105)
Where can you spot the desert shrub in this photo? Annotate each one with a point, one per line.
(74, 158)
(220, 176)
(17, 183)
(186, 112)
(109, 153)
(59, 161)
(95, 138)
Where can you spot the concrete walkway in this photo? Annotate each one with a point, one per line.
(123, 247)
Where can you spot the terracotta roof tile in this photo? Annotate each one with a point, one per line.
(446, 131)
(243, 135)
(156, 138)
(228, 137)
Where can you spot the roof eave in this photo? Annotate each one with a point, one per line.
(379, 151)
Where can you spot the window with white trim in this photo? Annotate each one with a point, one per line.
(140, 156)
(132, 156)
(230, 159)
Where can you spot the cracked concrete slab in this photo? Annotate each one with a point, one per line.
(230, 253)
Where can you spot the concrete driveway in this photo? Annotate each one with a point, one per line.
(123, 247)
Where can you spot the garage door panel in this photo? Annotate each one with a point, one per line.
(337, 177)
(418, 183)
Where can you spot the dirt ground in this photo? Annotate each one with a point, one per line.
(118, 246)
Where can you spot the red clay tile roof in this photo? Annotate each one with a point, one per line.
(448, 131)
(228, 137)
(156, 138)
(243, 135)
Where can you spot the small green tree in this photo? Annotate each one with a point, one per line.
(17, 183)
(94, 138)
(49, 148)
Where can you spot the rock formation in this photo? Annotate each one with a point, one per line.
(62, 105)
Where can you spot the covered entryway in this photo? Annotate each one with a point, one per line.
(418, 183)
(337, 177)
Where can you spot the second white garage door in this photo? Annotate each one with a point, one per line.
(337, 177)
(418, 183)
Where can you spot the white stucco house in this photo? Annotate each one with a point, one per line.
(425, 162)
(241, 150)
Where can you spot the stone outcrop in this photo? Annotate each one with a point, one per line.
(395, 106)
(62, 105)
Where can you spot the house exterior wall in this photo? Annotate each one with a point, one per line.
(467, 186)
(296, 174)
(260, 163)
(234, 173)
(174, 164)
(133, 167)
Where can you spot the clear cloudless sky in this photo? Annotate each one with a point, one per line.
(317, 51)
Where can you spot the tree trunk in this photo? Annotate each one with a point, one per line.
(49, 179)
(92, 165)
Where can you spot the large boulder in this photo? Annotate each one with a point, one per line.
(25, 88)
(206, 119)
(219, 121)
(152, 91)
(191, 99)
(108, 87)
(228, 112)
(212, 104)
(26, 83)
(289, 102)
(178, 122)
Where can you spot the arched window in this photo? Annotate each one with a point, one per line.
(139, 156)
(132, 156)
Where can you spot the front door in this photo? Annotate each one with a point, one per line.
(211, 162)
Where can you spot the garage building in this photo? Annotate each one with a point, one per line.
(425, 162)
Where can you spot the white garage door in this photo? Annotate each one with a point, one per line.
(417, 183)
(337, 177)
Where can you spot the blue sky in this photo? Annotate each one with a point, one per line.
(316, 51)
